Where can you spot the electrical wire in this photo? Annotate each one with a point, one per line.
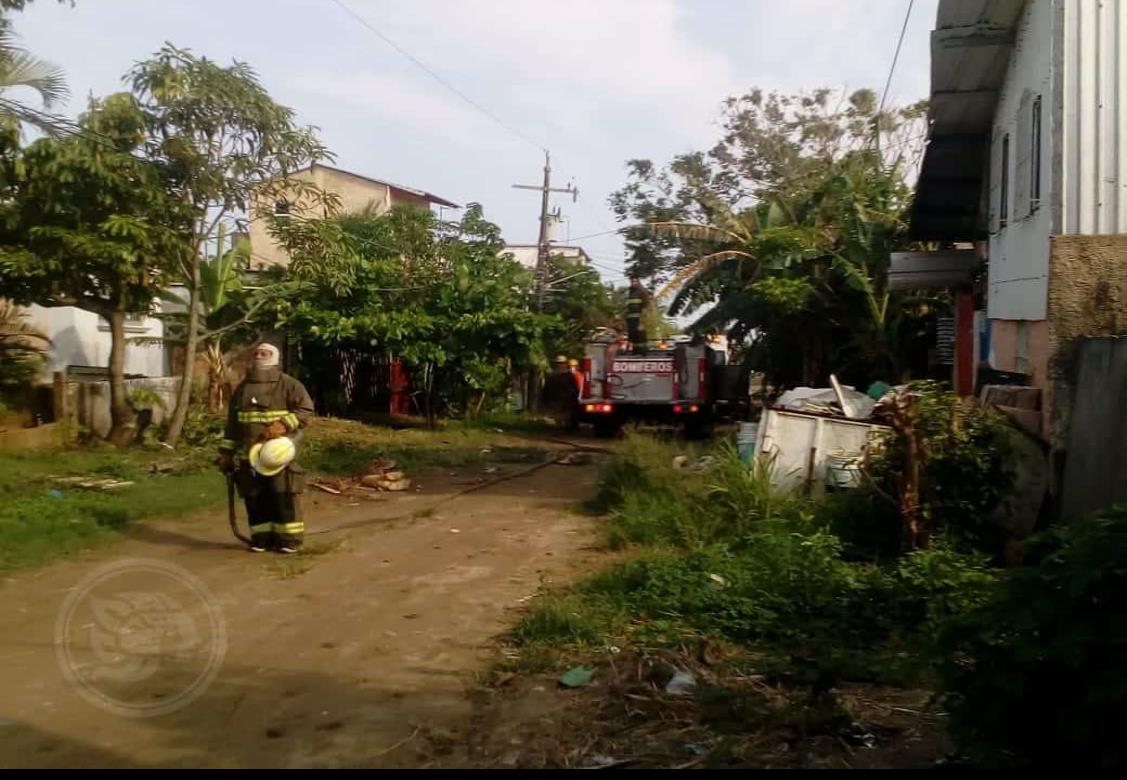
(436, 76)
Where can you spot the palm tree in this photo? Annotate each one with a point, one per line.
(20, 68)
(23, 347)
(733, 250)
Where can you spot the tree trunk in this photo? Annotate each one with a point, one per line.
(121, 414)
(184, 394)
(216, 376)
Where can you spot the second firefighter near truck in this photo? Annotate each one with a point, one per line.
(267, 418)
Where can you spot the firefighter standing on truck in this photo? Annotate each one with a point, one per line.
(638, 299)
(269, 413)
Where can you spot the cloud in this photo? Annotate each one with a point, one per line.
(404, 100)
(626, 52)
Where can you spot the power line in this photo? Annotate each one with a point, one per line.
(593, 235)
(895, 57)
(437, 77)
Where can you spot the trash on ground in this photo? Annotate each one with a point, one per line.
(577, 677)
(859, 734)
(94, 484)
(682, 682)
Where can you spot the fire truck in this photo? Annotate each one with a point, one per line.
(685, 382)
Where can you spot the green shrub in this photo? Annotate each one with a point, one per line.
(1036, 676)
(965, 473)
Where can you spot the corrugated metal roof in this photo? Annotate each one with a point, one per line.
(970, 48)
(432, 198)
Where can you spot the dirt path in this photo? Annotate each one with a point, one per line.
(357, 661)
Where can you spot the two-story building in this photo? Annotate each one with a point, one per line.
(355, 193)
(1027, 162)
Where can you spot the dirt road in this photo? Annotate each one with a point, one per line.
(360, 660)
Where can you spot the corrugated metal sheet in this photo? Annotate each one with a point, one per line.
(1093, 117)
(931, 270)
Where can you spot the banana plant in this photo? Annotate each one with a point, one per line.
(222, 309)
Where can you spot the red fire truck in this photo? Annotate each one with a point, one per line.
(686, 383)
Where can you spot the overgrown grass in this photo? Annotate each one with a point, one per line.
(42, 518)
(515, 422)
(339, 446)
(715, 552)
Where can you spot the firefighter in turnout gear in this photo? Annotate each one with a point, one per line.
(268, 415)
(638, 298)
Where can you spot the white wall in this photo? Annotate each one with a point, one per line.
(528, 255)
(1019, 251)
(83, 338)
(1094, 116)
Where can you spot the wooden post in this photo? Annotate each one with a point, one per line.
(964, 342)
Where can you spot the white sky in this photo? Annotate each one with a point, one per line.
(596, 81)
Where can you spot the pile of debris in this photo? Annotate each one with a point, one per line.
(379, 476)
(93, 483)
(694, 707)
(835, 401)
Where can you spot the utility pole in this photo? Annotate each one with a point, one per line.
(542, 254)
(542, 257)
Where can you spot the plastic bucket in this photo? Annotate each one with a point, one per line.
(745, 441)
(842, 472)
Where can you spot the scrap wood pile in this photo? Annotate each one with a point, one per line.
(379, 476)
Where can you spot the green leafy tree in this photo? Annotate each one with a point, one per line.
(85, 222)
(434, 295)
(794, 190)
(229, 147)
(580, 304)
(228, 310)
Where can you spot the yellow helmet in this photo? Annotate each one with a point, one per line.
(573, 362)
(271, 457)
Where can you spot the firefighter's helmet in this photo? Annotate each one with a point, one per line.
(271, 457)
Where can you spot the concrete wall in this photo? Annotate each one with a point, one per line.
(528, 255)
(1095, 473)
(88, 403)
(1087, 297)
(1019, 249)
(356, 193)
(49, 436)
(82, 338)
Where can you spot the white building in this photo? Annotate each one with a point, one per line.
(1027, 159)
(81, 338)
(527, 254)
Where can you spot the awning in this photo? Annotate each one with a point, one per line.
(970, 51)
(931, 270)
